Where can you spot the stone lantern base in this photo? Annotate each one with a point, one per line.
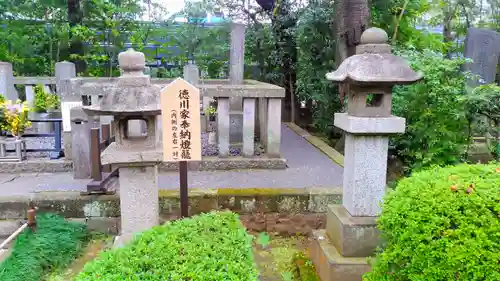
(340, 252)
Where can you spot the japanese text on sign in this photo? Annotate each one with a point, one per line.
(181, 119)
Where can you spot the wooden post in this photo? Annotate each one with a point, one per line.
(95, 154)
(183, 179)
(106, 137)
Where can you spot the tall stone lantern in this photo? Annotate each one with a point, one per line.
(137, 156)
(369, 76)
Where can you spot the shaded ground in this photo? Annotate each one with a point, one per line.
(95, 246)
(307, 167)
(275, 260)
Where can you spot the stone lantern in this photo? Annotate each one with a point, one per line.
(351, 227)
(133, 99)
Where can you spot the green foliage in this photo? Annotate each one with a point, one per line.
(485, 101)
(40, 99)
(55, 244)
(305, 267)
(441, 224)
(263, 240)
(436, 131)
(316, 57)
(212, 246)
(45, 101)
(52, 102)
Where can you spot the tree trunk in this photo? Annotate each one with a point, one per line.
(353, 17)
(75, 18)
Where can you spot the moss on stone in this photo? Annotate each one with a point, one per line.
(261, 191)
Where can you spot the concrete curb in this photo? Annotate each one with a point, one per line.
(243, 201)
(287, 211)
(329, 151)
(208, 163)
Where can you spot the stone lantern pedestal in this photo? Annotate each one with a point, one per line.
(133, 100)
(339, 252)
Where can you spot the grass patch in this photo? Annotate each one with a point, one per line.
(55, 244)
(213, 246)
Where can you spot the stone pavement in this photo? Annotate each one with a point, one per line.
(307, 167)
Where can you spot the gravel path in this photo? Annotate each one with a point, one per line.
(307, 167)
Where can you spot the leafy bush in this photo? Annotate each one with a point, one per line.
(441, 224)
(434, 109)
(316, 53)
(212, 246)
(55, 244)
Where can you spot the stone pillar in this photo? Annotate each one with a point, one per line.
(223, 126)
(7, 88)
(139, 200)
(64, 72)
(237, 54)
(262, 118)
(248, 126)
(80, 144)
(273, 128)
(30, 95)
(236, 77)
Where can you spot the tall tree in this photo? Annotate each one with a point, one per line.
(76, 48)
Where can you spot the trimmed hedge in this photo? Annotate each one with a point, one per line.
(441, 224)
(54, 245)
(213, 246)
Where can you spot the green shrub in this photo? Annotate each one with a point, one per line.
(437, 128)
(54, 245)
(212, 246)
(441, 224)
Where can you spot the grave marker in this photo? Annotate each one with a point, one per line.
(180, 107)
(483, 47)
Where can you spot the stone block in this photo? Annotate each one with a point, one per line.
(223, 126)
(80, 143)
(248, 127)
(330, 265)
(351, 236)
(138, 200)
(236, 127)
(273, 128)
(483, 47)
(365, 172)
(370, 125)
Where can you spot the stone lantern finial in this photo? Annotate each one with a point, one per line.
(132, 63)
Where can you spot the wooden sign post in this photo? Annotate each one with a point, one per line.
(180, 109)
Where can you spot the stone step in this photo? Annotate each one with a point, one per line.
(330, 265)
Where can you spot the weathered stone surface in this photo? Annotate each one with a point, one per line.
(351, 236)
(273, 127)
(330, 265)
(244, 201)
(223, 126)
(365, 171)
(483, 47)
(370, 125)
(7, 81)
(248, 126)
(80, 143)
(235, 127)
(138, 200)
(37, 165)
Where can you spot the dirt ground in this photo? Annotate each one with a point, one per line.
(275, 259)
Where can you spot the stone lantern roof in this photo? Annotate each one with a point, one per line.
(374, 64)
(133, 94)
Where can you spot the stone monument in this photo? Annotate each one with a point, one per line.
(340, 252)
(133, 98)
(483, 47)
